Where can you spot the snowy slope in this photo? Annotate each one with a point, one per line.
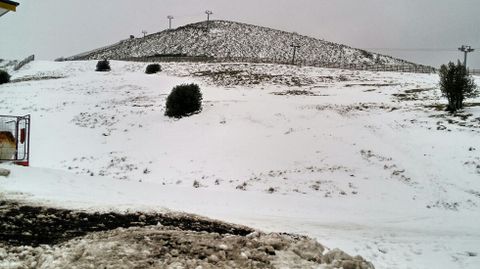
(233, 39)
(362, 161)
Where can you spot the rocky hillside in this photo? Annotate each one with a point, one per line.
(224, 39)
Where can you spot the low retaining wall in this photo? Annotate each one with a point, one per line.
(24, 62)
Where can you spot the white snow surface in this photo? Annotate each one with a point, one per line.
(361, 161)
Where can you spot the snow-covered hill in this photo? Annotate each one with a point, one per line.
(225, 39)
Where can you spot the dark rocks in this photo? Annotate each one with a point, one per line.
(33, 225)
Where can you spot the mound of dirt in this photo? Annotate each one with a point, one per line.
(39, 237)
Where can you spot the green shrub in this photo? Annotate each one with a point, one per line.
(456, 84)
(4, 77)
(153, 68)
(184, 100)
(103, 66)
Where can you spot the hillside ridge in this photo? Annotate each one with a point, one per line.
(228, 39)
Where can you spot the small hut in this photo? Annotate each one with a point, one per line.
(6, 6)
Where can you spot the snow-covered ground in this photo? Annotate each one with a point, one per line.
(364, 161)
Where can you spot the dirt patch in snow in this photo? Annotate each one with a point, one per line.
(230, 77)
(352, 109)
(238, 74)
(371, 84)
(39, 237)
(34, 225)
(35, 78)
(297, 92)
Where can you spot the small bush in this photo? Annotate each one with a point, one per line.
(4, 77)
(456, 84)
(242, 187)
(184, 100)
(103, 66)
(271, 190)
(153, 68)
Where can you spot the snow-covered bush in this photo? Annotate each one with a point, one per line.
(184, 100)
(103, 66)
(153, 68)
(4, 77)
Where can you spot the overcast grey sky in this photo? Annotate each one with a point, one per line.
(54, 28)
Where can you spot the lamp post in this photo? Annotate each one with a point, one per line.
(208, 12)
(295, 47)
(465, 49)
(170, 18)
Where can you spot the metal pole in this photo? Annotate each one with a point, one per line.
(293, 58)
(295, 47)
(27, 118)
(208, 12)
(170, 17)
(465, 49)
(16, 138)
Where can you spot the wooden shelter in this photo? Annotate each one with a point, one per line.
(6, 6)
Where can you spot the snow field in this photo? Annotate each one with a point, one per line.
(359, 160)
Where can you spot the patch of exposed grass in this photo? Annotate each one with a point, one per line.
(437, 107)
(419, 90)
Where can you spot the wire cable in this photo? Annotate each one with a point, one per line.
(413, 49)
